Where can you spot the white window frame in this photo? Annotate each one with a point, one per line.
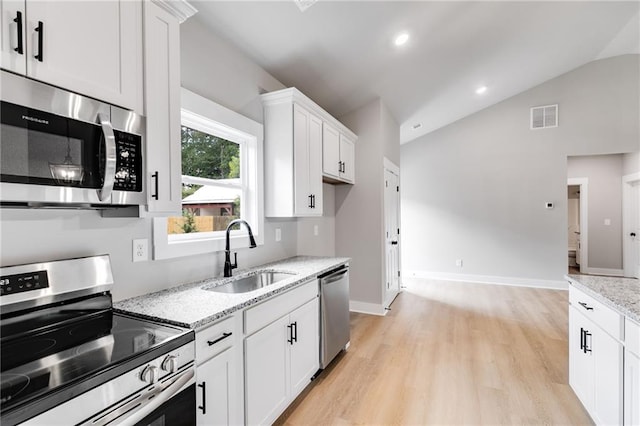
(207, 116)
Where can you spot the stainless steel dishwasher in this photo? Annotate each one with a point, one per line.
(334, 313)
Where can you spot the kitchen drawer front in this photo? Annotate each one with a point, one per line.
(214, 339)
(278, 306)
(632, 336)
(603, 316)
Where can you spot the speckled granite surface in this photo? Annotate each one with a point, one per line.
(190, 305)
(621, 294)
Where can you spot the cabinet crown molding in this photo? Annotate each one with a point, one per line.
(181, 9)
(293, 95)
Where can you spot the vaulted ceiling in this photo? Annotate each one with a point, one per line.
(342, 53)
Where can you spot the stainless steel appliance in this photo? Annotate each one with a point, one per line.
(68, 358)
(62, 149)
(334, 313)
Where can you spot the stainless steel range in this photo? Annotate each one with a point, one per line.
(68, 358)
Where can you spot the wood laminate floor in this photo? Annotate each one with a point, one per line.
(450, 353)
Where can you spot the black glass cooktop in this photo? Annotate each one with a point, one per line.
(61, 348)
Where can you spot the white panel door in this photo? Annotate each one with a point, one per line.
(305, 351)
(12, 36)
(267, 373)
(392, 237)
(89, 47)
(330, 151)
(631, 228)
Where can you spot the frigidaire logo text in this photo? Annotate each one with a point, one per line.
(34, 119)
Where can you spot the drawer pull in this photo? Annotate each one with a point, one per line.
(224, 336)
(584, 305)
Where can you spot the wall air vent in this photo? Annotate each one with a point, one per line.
(304, 4)
(543, 117)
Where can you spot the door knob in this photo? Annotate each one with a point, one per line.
(633, 234)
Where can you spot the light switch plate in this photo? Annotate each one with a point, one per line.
(278, 234)
(315, 230)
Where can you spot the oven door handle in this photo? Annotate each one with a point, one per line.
(109, 158)
(128, 414)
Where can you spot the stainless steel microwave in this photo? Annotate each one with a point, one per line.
(58, 148)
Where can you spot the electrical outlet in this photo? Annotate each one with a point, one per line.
(140, 250)
(278, 234)
(315, 230)
(459, 263)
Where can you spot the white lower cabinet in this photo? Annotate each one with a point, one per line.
(280, 360)
(219, 373)
(596, 360)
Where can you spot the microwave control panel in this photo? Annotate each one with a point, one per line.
(128, 162)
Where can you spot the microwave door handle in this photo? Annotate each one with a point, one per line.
(109, 158)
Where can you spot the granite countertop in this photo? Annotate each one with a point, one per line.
(621, 294)
(190, 305)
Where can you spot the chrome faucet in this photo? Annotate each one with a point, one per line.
(228, 266)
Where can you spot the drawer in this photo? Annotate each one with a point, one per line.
(632, 336)
(278, 306)
(215, 338)
(603, 316)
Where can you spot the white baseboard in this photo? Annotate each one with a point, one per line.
(490, 279)
(605, 271)
(367, 308)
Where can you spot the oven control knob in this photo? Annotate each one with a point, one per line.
(148, 374)
(169, 364)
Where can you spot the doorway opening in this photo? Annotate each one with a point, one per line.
(577, 228)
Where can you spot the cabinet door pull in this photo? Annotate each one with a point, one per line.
(224, 336)
(310, 201)
(18, 20)
(203, 407)
(581, 339)
(290, 339)
(313, 201)
(156, 179)
(584, 305)
(40, 30)
(295, 331)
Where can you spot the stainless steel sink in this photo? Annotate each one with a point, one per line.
(251, 282)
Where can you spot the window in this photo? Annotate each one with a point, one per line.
(221, 166)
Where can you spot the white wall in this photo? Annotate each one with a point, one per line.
(210, 67)
(359, 208)
(476, 189)
(631, 162)
(604, 174)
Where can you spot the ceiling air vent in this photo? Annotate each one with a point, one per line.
(543, 117)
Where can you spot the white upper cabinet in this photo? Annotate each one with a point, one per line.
(162, 107)
(302, 142)
(347, 159)
(330, 151)
(90, 47)
(307, 152)
(338, 156)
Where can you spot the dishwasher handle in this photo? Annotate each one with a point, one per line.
(334, 276)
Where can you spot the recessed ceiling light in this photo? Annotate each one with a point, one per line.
(417, 126)
(401, 39)
(480, 90)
